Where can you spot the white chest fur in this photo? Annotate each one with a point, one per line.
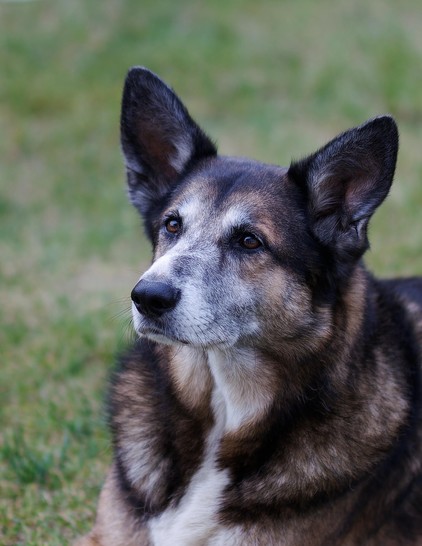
(193, 522)
(241, 393)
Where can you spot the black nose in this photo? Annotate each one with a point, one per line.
(153, 298)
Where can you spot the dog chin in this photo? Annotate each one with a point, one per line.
(148, 331)
(176, 342)
(159, 338)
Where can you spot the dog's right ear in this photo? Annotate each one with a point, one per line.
(159, 139)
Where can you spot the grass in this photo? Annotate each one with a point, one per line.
(272, 80)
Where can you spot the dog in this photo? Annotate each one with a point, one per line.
(274, 394)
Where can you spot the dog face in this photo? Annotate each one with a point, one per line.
(245, 254)
(224, 250)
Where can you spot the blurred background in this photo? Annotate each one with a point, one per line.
(273, 80)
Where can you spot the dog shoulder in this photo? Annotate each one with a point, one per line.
(115, 525)
(158, 442)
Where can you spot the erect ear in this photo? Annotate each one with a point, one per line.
(159, 138)
(345, 181)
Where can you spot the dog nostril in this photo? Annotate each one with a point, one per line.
(134, 296)
(153, 299)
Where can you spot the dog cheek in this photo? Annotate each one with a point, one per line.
(229, 301)
(243, 305)
(285, 304)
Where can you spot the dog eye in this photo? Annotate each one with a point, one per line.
(248, 241)
(173, 225)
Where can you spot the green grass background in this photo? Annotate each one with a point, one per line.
(272, 79)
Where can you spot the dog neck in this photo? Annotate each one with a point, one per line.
(243, 388)
(235, 384)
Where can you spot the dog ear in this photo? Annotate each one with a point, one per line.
(345, 181)
(159, 138)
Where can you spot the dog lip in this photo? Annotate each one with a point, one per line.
(154, 331)
(158, 335)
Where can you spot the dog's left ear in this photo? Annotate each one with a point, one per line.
(345, 181)
(159, 139)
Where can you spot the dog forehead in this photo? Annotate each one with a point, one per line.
(234, 190)
(199, 207)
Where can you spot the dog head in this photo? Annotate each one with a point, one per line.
(244, 252)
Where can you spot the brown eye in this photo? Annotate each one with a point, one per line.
(173, 225)
(249, 241)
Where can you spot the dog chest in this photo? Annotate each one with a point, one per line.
(194, 520)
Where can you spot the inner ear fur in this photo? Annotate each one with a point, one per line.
(345, 181)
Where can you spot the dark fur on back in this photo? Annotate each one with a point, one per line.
(274, 396)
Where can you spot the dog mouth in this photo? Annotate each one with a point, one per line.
(166, 337)
(161, 335)
(171, 330)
